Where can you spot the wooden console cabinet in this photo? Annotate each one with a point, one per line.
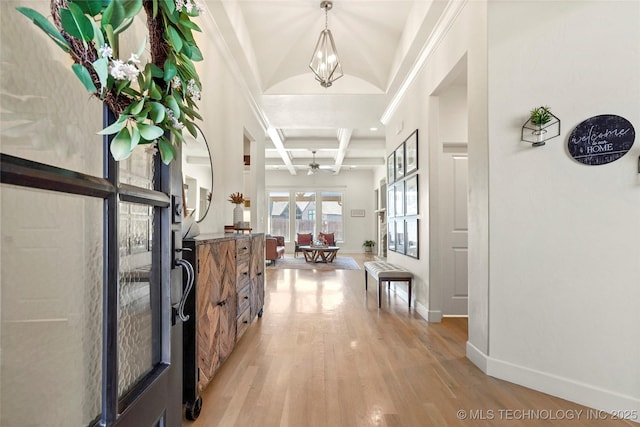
(228, 295)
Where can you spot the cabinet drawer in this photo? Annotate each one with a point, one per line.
(243, 277)
(243, 247)
(243, 322)
(244, 300)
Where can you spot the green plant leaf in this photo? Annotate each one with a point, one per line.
(136, 107)
(189, 24)
(98, 38)
(46, 26)
(76, 23)
(196, 54)
(191, 128)
(150, 132)
(156, 71)
(135, 138)
(101, 66)
(132, 8)
(173, 105)
(167, 150)
(155, 9)
(121, 145)
(113, 15)
(157, 112)
(90, 7)
(111, 37)
(154, 92)
(170, 70)
(84, 76)
(114, 127)
(174, 38)
(126, 23)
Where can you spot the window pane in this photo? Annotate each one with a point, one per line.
(41, 121)
(332, 214)
(279, 214)
(135, 314)
(51, 305)
(306, 212)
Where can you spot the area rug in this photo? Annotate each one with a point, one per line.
(339, 263)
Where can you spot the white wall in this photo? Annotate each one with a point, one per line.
(358, 192)
(227, 119)
(564, 236)
(420, 110)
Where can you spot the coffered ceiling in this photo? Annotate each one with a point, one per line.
(271, 43)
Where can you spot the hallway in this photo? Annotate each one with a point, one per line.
(324, 355)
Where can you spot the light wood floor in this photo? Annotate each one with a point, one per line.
(324, 355)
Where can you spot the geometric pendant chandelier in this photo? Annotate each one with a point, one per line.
(325, 63)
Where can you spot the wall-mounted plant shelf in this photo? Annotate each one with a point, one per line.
(538, 135)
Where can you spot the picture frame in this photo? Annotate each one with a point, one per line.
(400, 166)
(391, 235)
(391, 202)
(391, 167)
(400, 236)
(399, 201)
(412, 236)
(411, 195)
(411, 153)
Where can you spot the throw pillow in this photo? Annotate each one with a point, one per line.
(304, 239)
(328, 238)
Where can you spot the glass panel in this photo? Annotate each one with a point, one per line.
(306, 212)
(51, 308)
(135, 314)
(279, 214)
(332, 214)
(47, 115)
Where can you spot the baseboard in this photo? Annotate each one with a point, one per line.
(602, 400)
(477, 357)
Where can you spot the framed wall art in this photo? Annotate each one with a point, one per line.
(411, 195)
(400, 161)
(391, 202)
(399, 189)
(391, 235)
(411, 235)
(391, 167)
(400, 237)
(411, 153)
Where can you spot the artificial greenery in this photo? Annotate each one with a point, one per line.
(152, 104)
(369, 243)
(540, 116)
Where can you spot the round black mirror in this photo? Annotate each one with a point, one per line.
(197, 173)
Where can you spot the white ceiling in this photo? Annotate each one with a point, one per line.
(271, 42)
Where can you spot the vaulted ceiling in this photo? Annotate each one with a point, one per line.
(378, 43)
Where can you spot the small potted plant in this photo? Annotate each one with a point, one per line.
(368, 245)
(539, 117)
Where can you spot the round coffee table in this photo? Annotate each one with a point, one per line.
(319, 253)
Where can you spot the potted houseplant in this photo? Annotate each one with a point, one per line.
(368, 245)
(539, 117)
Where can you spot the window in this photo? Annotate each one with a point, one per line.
(279, 214)
(305, 212)
(332, 214)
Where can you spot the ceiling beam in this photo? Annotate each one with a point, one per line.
(344, 137)
(284, 155)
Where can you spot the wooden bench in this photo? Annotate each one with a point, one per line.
(386, 272)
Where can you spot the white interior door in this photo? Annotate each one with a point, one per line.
(454, 242)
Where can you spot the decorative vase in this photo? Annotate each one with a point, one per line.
(238, 215)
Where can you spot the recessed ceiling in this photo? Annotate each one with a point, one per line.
(272, 41)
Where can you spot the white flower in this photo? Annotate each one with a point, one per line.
(131, 71)
(193, 90)
(116, 69)
(105, 51)
(199, 6)
(176, 124)
(176, 83)
(179, 4)
(134, 58)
